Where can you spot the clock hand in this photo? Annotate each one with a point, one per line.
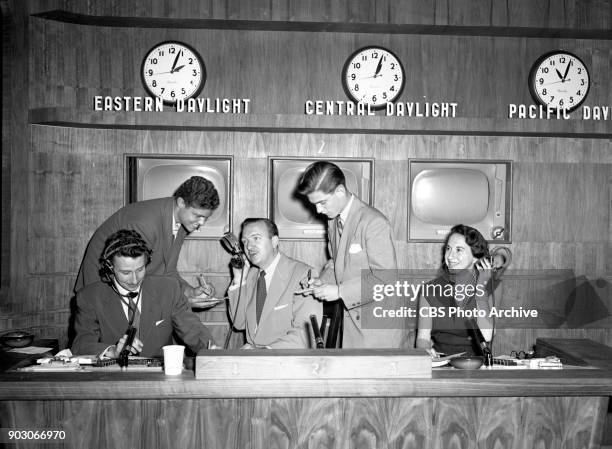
(175, 61)
(179, 68)
(559, 73)
(556, 82)
(566, 71)
(378, 67)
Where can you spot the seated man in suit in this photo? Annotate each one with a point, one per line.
(262, 296)
(125, 296)
(163, 224)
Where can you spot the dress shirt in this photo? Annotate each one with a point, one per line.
(345, 212)
(125, 301)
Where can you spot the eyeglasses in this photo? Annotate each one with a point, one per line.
(522, 355)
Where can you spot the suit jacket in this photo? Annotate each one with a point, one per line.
(285, 319)
(153, 220)
(366, 244)
(100, 320)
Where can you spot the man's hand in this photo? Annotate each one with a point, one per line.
(239, 274)
(136, 348)
(326, 292)
(202, 291)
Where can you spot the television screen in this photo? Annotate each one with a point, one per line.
(446, 193)
(295, 217)
(149, 177)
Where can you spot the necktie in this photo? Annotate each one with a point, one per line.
(339, 225)
(261, 294)
(133, 313)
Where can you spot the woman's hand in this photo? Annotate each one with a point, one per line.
(485, 270)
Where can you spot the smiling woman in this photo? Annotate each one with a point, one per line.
(466, 269)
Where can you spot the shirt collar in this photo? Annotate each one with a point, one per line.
(122, 291)
(345, 212)
(175, 226)
(272, 267)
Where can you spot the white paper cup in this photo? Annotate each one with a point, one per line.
(173, 359)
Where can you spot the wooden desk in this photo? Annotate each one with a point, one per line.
(13, 360)
(454, 409)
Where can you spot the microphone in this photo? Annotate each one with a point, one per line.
(125, 352)
(317, 332)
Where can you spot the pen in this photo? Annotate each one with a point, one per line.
(309, 275)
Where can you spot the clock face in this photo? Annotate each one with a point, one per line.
(373, 75)
(560, 80)
(173, 71)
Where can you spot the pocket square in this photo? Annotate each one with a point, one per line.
(355, 248)
(157, 323)
(281, 307)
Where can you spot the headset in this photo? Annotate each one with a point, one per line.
(121, 241)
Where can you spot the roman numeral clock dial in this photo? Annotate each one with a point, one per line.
(374, 76)
(173, 71)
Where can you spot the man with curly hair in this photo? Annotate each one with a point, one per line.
(163, 223)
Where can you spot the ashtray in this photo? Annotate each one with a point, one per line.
(17, 339)
(473, 362)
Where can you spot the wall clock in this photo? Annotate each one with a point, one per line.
(560, 80)
(173, 71)
(374, 76)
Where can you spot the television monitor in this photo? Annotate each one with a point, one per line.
(158, 176)
(295, 217)
(443, 193)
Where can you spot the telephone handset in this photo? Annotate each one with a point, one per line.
(500, 257)
(232, 245)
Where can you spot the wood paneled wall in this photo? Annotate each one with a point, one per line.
(66, 180)
(279, 71)
(406, 422)
(553, 14)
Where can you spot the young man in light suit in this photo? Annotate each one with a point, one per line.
(359, 238)
(262, 296)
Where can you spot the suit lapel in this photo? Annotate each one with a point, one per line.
(333, 237)
(277, 287)
(169, 242)
(149, 311)
(347, 236)
(113, 308)
(251, 301)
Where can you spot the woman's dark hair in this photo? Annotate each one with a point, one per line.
(474, 239)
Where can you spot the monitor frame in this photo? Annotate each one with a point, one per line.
(467, 162)
(270, 187)
(130, 163)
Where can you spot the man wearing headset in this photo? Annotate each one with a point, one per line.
(163, 223)
(125, 296)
